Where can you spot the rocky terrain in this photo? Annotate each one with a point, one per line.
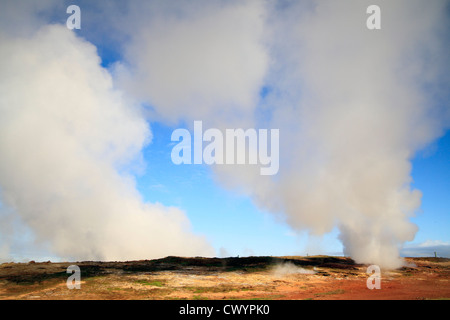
(249, 278)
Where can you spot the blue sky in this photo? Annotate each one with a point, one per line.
(229, 220)
(431, 175)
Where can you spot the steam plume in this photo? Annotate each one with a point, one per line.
(67, 142)
(350, 104)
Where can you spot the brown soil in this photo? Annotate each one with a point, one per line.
(229, 278)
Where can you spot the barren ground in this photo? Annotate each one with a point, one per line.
(227, 278)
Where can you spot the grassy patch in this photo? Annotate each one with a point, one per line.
(269, 297)
(408, 274)
(154, 283)
(216, 289)
(339, 291)
(118, 289)
(176, 298)
(25, 288)
(95, 279)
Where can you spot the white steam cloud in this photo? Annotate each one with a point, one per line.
(66, 140)
(289, 268)
(355, 111)
(202, 60)
(349, 102)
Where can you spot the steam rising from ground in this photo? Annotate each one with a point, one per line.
(289, 268)
(360, 113)
(352, 105)
(352, 110)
